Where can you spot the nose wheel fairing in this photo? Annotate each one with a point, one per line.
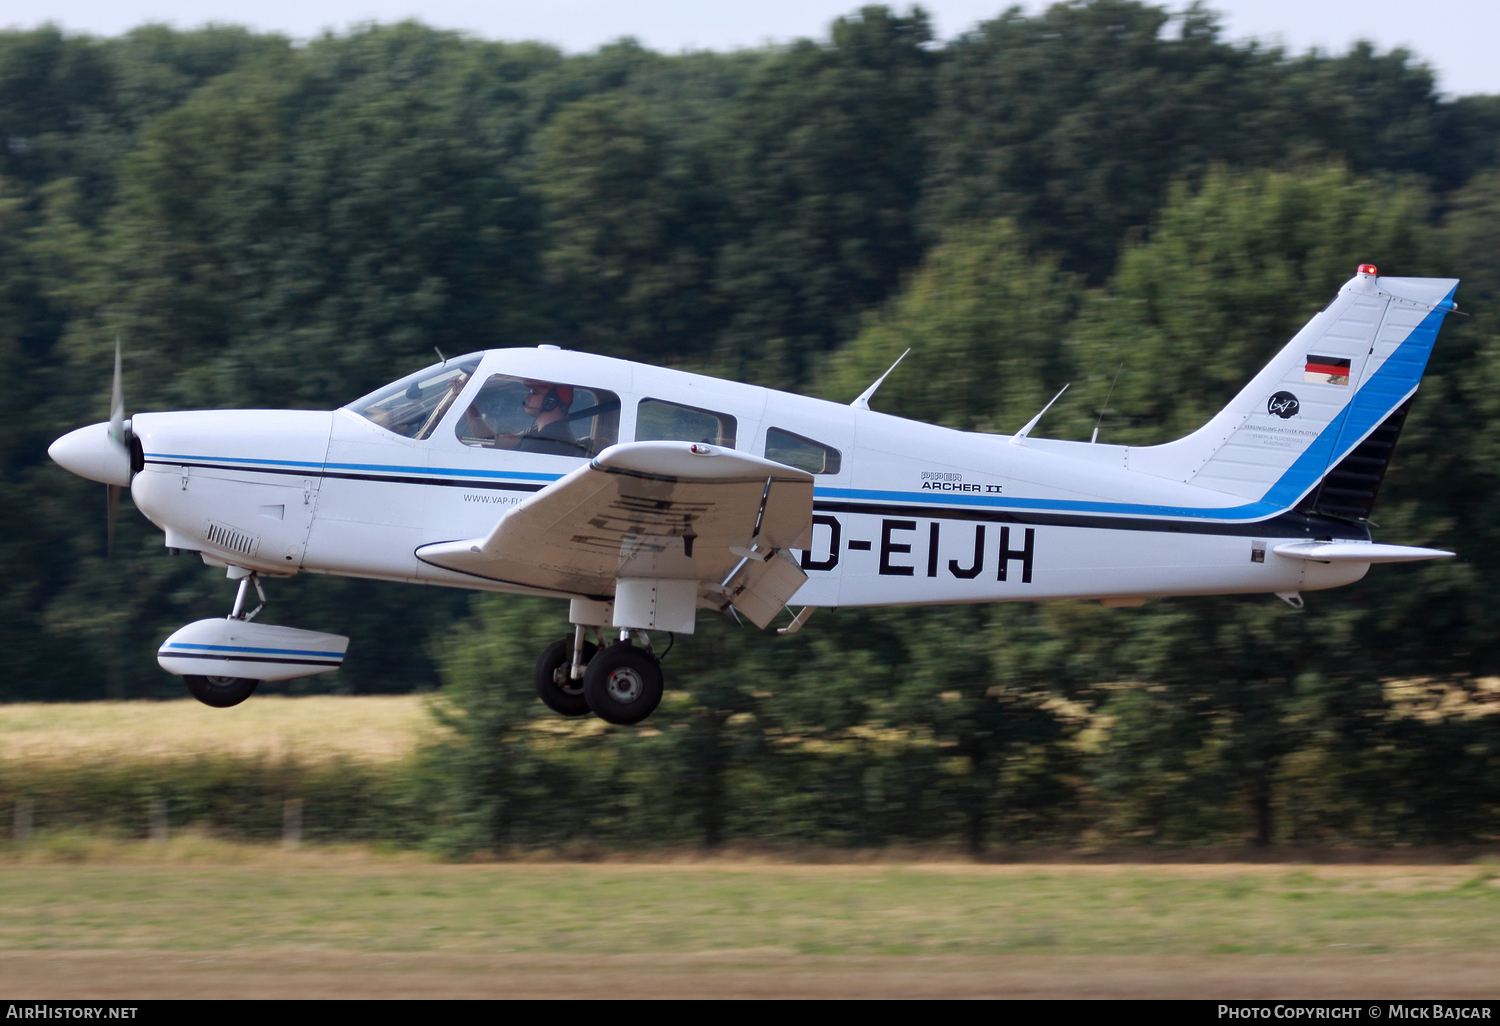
(222, 662)
(244, 649)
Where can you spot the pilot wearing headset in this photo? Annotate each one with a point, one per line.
(547, 403)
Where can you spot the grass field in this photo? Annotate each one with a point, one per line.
(199, 916)
(377, 728)
(84, 915)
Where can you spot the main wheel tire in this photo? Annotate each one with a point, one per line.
(220, 692)
(623, 684)
(555, 686)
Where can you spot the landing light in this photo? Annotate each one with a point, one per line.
(1367, 269)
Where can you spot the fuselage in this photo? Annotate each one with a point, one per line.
(904, 512)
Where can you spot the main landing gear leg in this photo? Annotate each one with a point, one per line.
(223, 692)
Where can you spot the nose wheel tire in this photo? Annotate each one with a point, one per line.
(623, 684)
(554, 683)
(220, 692)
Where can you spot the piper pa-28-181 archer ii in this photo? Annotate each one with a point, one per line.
(642, 495)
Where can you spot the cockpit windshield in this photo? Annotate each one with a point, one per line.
(413, 406)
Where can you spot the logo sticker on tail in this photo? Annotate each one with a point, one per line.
(1283, 405)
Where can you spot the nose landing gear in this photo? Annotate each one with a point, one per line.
(224, 692)
(223, 661)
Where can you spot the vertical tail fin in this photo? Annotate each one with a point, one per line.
(1344, 377)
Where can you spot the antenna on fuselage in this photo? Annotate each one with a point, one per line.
(1095, 436)
(435, 349)
(863, 402)
(1020, 436)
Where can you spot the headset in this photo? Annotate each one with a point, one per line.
(552, 399)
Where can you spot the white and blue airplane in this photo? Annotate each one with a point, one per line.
(642, 495)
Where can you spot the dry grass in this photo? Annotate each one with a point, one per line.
(373, 728)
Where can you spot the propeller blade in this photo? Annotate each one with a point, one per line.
(111, 514)
(117, 404)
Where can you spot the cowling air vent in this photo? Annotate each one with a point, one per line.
(223, 536)
(1348, 490)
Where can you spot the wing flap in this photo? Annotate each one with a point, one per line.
(761, 588)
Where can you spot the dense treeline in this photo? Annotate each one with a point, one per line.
(1041, 201)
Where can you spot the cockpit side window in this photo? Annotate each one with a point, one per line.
(659, 420)
(413, 406)
(802, 453)
(530, 415)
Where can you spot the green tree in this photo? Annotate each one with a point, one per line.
(629, 230)
(986, 326)
(1075, 121)
(819, 162)
(1230, 272)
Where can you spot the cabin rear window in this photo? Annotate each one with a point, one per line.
(413, 406)
(802, 453)
(659, 420)
(533, 415)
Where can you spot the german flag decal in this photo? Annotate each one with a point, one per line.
(1326, 370)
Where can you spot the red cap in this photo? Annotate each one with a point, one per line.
(1367, 269)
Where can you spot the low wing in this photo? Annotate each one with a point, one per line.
(671, 510)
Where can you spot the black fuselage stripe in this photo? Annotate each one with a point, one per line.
(446, 482)
(1287, 525)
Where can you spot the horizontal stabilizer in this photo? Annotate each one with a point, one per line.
(1357, 552)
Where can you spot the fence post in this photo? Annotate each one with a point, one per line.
(158, 820)
(21, 831)
(291, 824)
